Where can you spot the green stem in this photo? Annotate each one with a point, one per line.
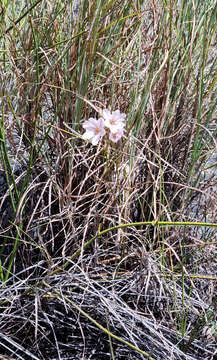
(122, 226)
(106, 331)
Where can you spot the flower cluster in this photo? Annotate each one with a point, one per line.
(95, 129)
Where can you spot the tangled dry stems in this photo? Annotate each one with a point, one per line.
(151, 287)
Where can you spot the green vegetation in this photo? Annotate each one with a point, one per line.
(114, 242)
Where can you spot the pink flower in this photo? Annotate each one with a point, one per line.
(114, 120)
(115, 137)
(94, 130)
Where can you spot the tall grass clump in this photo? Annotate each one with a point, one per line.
(108, 246)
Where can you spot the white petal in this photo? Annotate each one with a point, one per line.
(116, 112)
(106, 114)
(115, 137)
(101, 122)
(95, 139)
(117, 127)
(102, 132)
(90, 124)
(87, 135)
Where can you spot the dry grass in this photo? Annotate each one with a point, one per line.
(77, 282)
